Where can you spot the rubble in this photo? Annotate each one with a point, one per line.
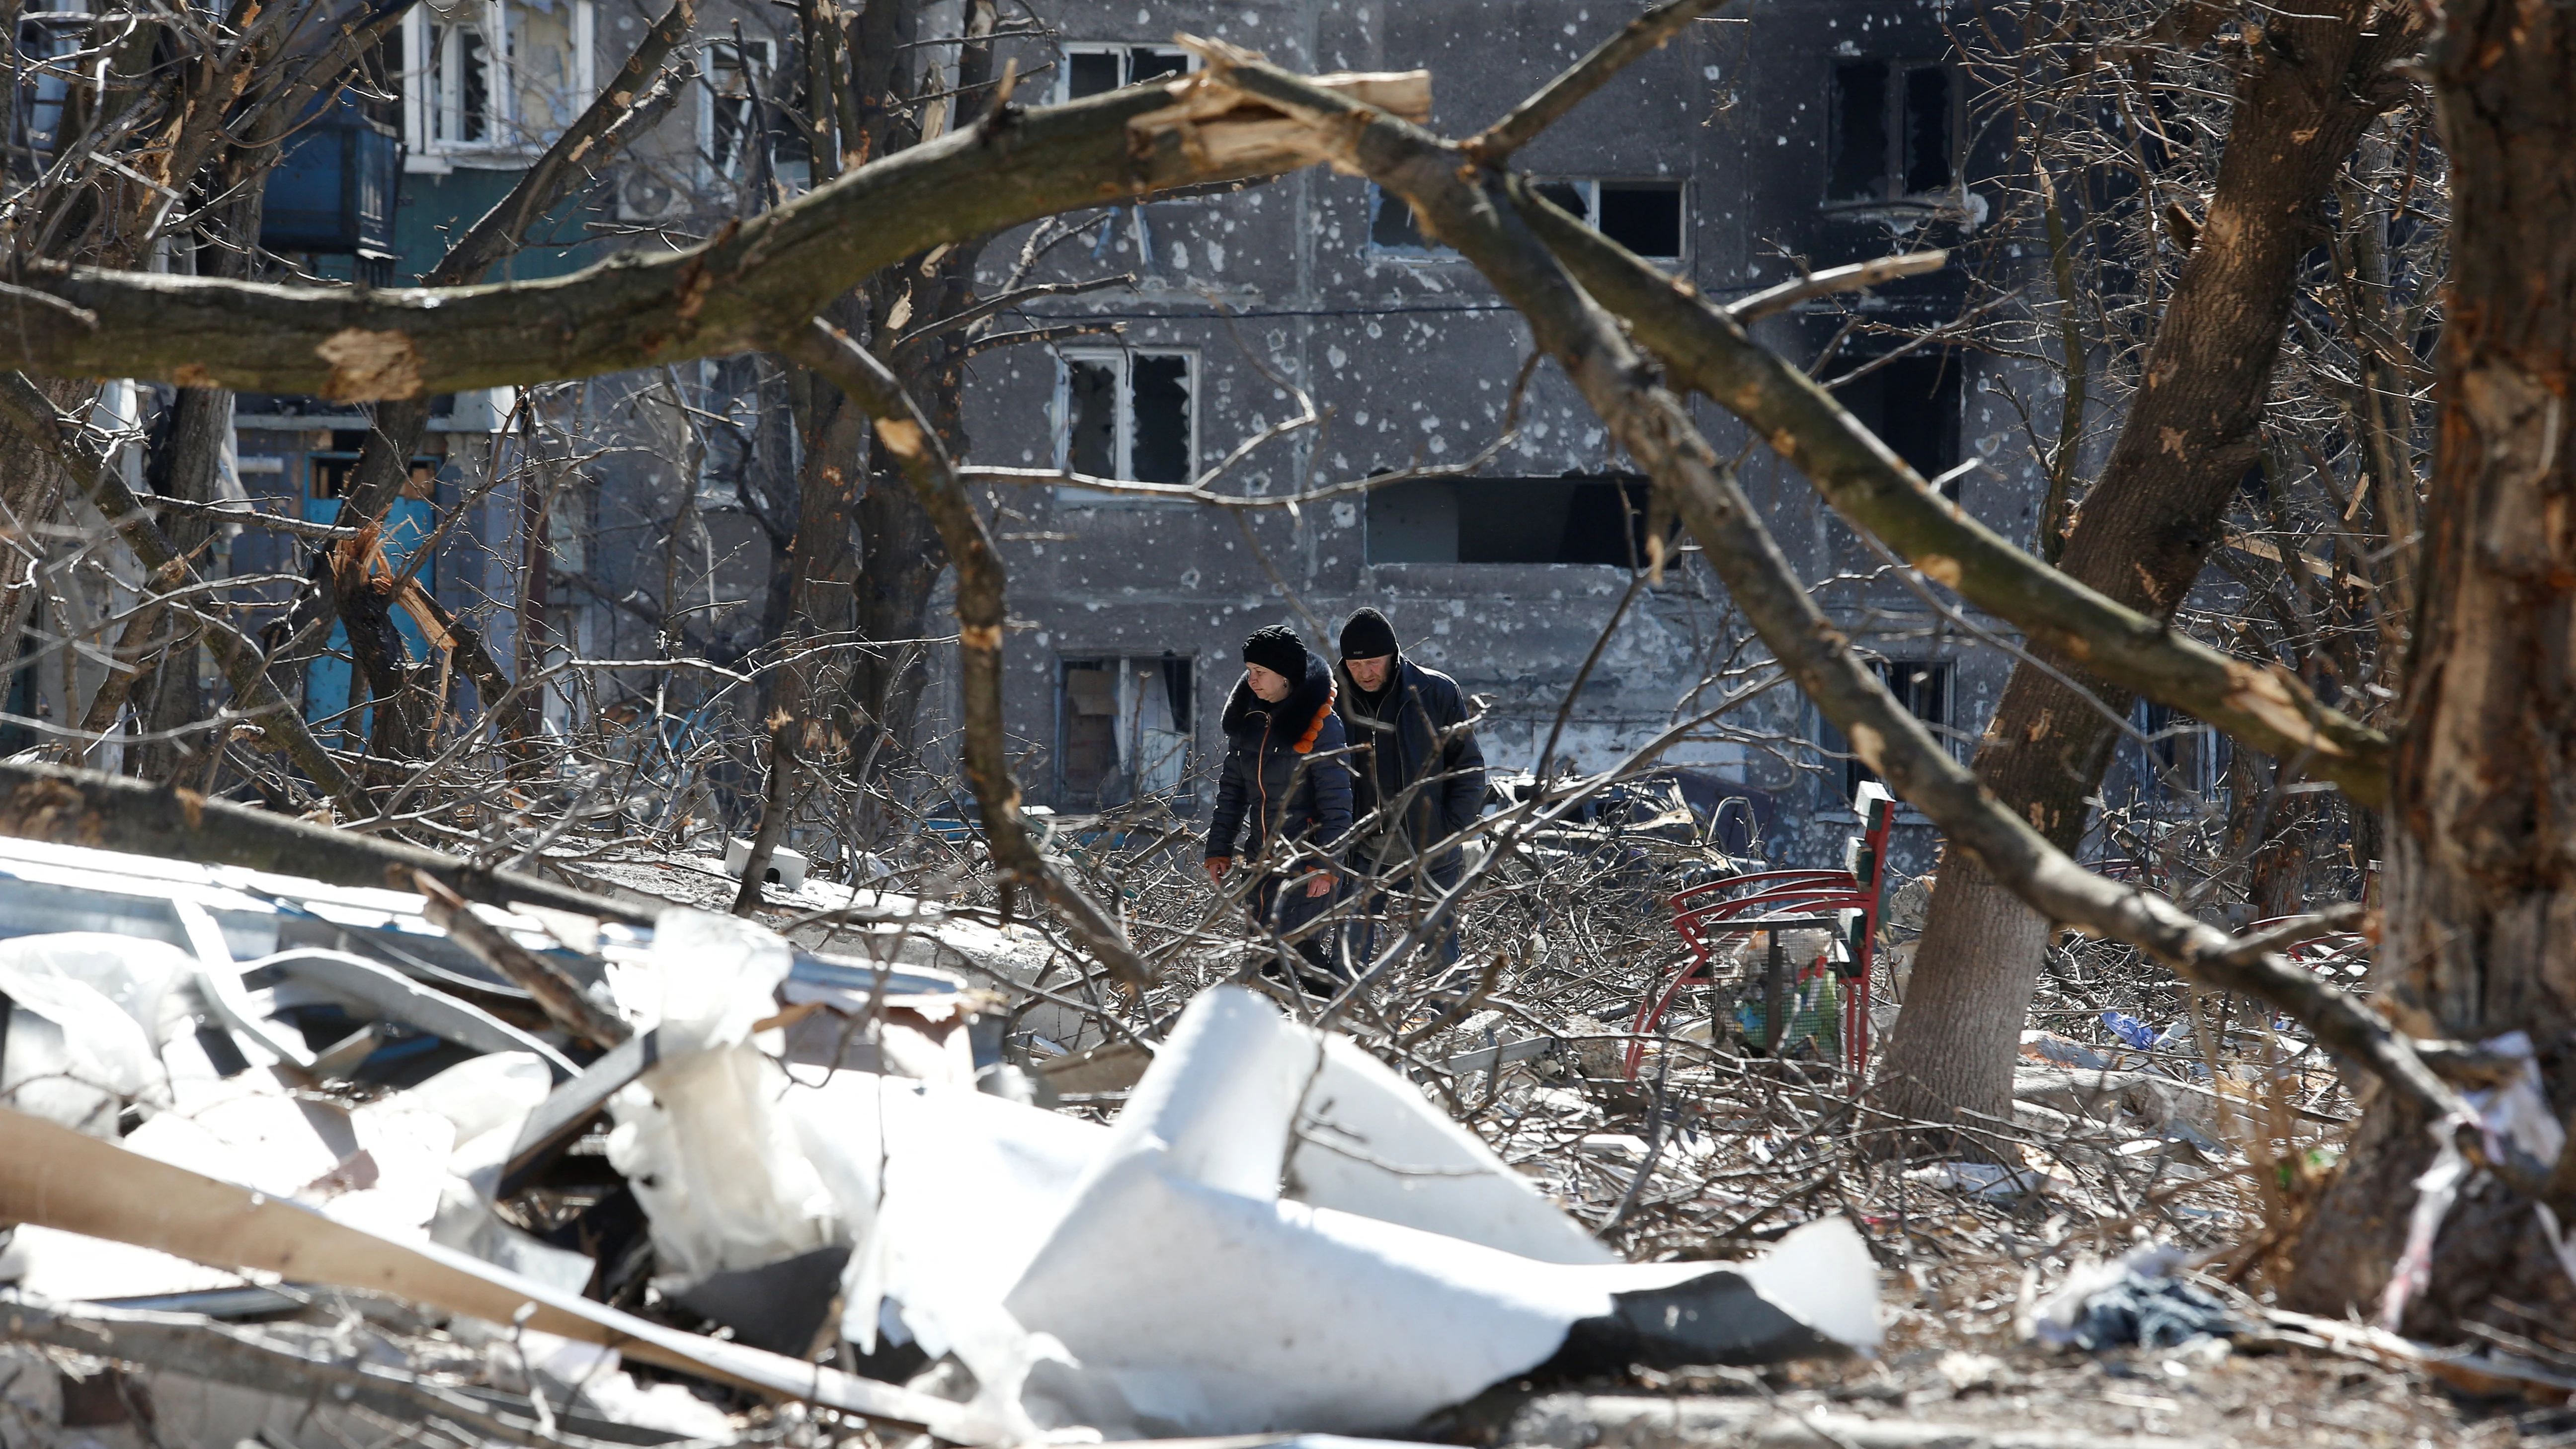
(272, 1139)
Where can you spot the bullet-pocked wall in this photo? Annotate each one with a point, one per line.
(1776, 138)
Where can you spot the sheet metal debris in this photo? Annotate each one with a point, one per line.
(246, 1116)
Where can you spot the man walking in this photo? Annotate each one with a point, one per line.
(1415, 767)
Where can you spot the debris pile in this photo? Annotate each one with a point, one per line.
(294, 1162)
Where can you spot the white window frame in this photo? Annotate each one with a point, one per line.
(430, 109)
(1123, 49)
(1123, 359)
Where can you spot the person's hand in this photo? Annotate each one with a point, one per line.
(1321, 885)
(1217, 866)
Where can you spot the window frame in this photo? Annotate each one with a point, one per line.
(1061, 92)
(1114, 660)
(1836, 748)
(428, 109)
(1590, 189)
(1893, 113)
(1123, 442)
(1429, 251)
(756, 130)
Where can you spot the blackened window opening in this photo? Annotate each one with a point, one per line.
(1927, 129)
(1091, 397)
(1128, 415)
(1921, 688)
(1162, 404)
(1392, 226)
(1892, 131)
(1858, 169)
(1579, 519)
(1644, 218)
(1912, 405)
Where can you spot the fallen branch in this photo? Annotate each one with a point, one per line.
(111, 812)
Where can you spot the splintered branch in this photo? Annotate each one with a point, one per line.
(1489, 230)
(905, 433)
(1866, 482)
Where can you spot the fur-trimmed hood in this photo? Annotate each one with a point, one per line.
(1304, 711)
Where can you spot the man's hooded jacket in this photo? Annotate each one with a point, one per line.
(1415, 733)
(1283, 768)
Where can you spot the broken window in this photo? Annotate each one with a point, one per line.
(2178, 750)
(1394, 228)
(1122, 729)
(727, 418)
(1581, 519)
(1922, 689)
(492, 76)
(1643, 216)
(1894, 132)
(1091, 70)
(745, 108)
(1126, 415)
(1912, 405)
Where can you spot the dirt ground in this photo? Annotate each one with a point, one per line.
(1955, 1377)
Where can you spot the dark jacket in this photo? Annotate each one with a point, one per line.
(1283, 768)
(1420, 705)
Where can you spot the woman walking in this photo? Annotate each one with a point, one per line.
(1283, 769)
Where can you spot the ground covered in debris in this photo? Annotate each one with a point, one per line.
(741, 1192)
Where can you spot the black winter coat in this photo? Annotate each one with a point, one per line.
(1283, 768)
(1422, 704)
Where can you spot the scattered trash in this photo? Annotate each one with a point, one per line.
(2137, 1300)
(2131, 1030)
(2048, 1046)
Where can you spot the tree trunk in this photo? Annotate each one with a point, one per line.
(169, 697)
(2308, 90)
(2480, 930)
(901, 552)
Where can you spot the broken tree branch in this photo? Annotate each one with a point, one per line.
(110, 812)
(2258, 703)
(751, 281)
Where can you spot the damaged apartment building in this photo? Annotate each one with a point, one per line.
(1777, 137)
(1774, 138)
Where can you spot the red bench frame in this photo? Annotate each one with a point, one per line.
(1707, 914)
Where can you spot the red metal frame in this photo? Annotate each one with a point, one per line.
(1706, 914)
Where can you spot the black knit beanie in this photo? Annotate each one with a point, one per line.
(1278, 650)
(1368, 636)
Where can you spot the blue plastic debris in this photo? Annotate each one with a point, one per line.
(2131, 1030)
